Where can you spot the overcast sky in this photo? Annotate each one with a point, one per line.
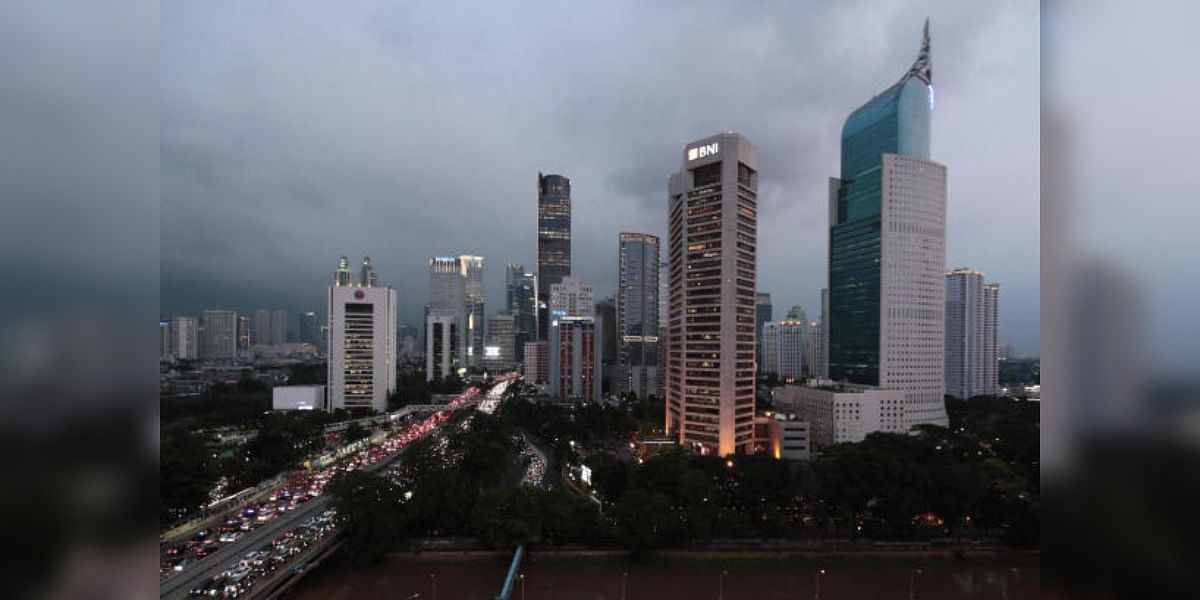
(293, 133)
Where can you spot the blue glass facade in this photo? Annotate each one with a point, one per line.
(894, 122)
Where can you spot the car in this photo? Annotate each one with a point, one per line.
(229, 538)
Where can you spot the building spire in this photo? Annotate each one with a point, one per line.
(923, 68)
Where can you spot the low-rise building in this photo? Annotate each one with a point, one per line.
(298, 397)
(838, 413)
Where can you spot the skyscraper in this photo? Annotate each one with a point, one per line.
(279, 326)
(475, 324)
(499, 350)
(261, 333)
(637, 316)
(164, 339)
(522, 304)
(554, 240)
(310, 328)
(971, 341)
(820, 360)
(712, 249)
(456, 289)
(571, 297)
(185, 338)
(887, 216)
(220, 334)
(243, 335)
(762, 314)
(441, 346)
(362, 343)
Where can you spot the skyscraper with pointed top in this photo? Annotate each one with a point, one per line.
(887, 231)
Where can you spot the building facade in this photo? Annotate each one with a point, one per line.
(972, 344)
(219, 329)
(523, 305)
(712, 250)
(762, 314)
(636, 333)
(243, 335)
(441, 345)
(554, 240)
(456, 289)
(574, 353)
(362, 344)
(499, 351)
(783, 347)
(279, 326)
(310, 328)
(843, 413)
(887, 217)
(571, 297)
(185, 338)
(537, 361)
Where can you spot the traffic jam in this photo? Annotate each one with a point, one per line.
(293, 494)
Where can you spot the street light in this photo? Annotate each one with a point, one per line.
(912, 582)
(624, 574)
(721, 585)
(434, 578)
(819, 573)
(522, 586)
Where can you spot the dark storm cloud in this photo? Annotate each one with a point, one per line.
(292, 134)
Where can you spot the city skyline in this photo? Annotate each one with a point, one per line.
(985, 56)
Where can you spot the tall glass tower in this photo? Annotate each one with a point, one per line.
(554, 240)
(887, 216)
(637, 315)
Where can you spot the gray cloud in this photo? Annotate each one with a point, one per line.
(293, 134)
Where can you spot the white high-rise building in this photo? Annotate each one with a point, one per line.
(219, 334)
(185, 344)
(972, 321)
(712, 248)
(571, 298)
(362, 344)
(783, 347)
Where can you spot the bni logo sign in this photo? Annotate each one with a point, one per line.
(702, 151)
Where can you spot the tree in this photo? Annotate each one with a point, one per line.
(368, 511)
(354, 432)
(186, 473)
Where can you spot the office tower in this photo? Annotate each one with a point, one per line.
(219, 334)
(441, 345)
(887, 234)
(310, 328)
(574, 353)
(811, 366)
(279, 326)
(637, 316)
(243, 335)
(554, 240)
(456, 288)
(762, 314)
(522, 304)
(712, 222)
(606, 322)
(474, 326)
(663, 295)
(185, 336)
(820, 361)
(537, 361)
(261, 334)
(971, 343)
(499, 350)
(164, 339)
(571, 297)
(362, 343)
(768, 344)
